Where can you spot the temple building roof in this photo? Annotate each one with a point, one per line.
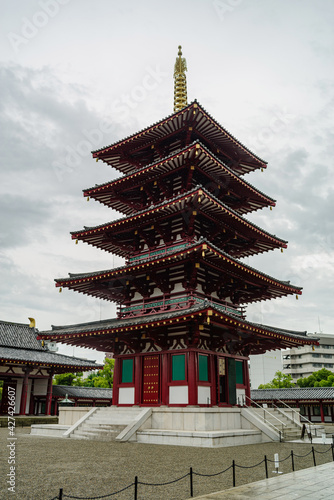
(73, 391)
(293, 394)
(125, 194)
(220, 223)
(19, 343)
(193, 121)
(98, 334)
(251, 284)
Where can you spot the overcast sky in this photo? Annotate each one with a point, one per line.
(77, 75)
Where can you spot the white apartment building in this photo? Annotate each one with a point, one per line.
(262, 367)
(303, 361)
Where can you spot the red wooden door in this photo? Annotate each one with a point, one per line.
(151, 380)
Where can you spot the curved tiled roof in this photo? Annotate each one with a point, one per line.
(96, 235)
(206, 125)
(177, 154)
(44, 357)
(114, 323)
(19, 335)
(19, 343)
(73, 391)
(82, 279)
(293, 393)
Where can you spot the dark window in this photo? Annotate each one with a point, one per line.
(239, 372)
(178, 367)
(203, 372)
(127, 371)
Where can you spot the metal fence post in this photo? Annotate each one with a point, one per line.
(233, 469)
(61, 494)
(292, 461)
(136, 487)
(266, 465)
(191, 482)
(332, 451)
(313, 456)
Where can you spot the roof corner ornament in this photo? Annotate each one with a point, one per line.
(32, 322)
(180, 82)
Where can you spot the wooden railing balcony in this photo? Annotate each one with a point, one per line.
(159, 252)
(177, 302)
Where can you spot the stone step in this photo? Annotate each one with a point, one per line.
(94, 432)
(111, 420)
(98, 426)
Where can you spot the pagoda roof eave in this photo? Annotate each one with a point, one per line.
(159, 129)
(199, 192)
(198, 147)
(84, 282)
(72, 334)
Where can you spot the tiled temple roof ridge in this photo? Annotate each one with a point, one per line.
(115, 323)
(169, 117)
(181, 151)
(174, 199)
(199, 243)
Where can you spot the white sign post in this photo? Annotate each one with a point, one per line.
(276, 459)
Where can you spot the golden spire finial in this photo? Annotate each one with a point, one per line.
(180, 82)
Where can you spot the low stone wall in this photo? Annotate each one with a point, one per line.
(69, 416)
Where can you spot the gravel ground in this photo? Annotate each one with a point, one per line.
(89, 469)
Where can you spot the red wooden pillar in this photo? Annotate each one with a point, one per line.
(137, 380)
(117, 368)
(322, 412)
(49, 395)
(24, 393)
(55, 408)
(164, 379)
(192, 379)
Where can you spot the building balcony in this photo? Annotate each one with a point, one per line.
(159, 252)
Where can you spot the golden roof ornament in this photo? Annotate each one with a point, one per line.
(180, 82)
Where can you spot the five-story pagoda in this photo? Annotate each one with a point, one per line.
(181, 337)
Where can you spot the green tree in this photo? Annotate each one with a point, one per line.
(101, 378)
(68, 379)
(321, 378)
(104, 377)
(281, 380)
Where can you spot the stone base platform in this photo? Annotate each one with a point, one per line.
(186, 426)
(207, 439)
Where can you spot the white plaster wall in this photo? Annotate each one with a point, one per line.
(126, 395)
(137, 296)
(203, 395)
(178, 395)
(178, 288)
(241, 396)
(40, 387)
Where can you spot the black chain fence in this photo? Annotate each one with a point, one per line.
(135, 485)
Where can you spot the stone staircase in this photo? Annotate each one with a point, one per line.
(289, 429)
(105, 424)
